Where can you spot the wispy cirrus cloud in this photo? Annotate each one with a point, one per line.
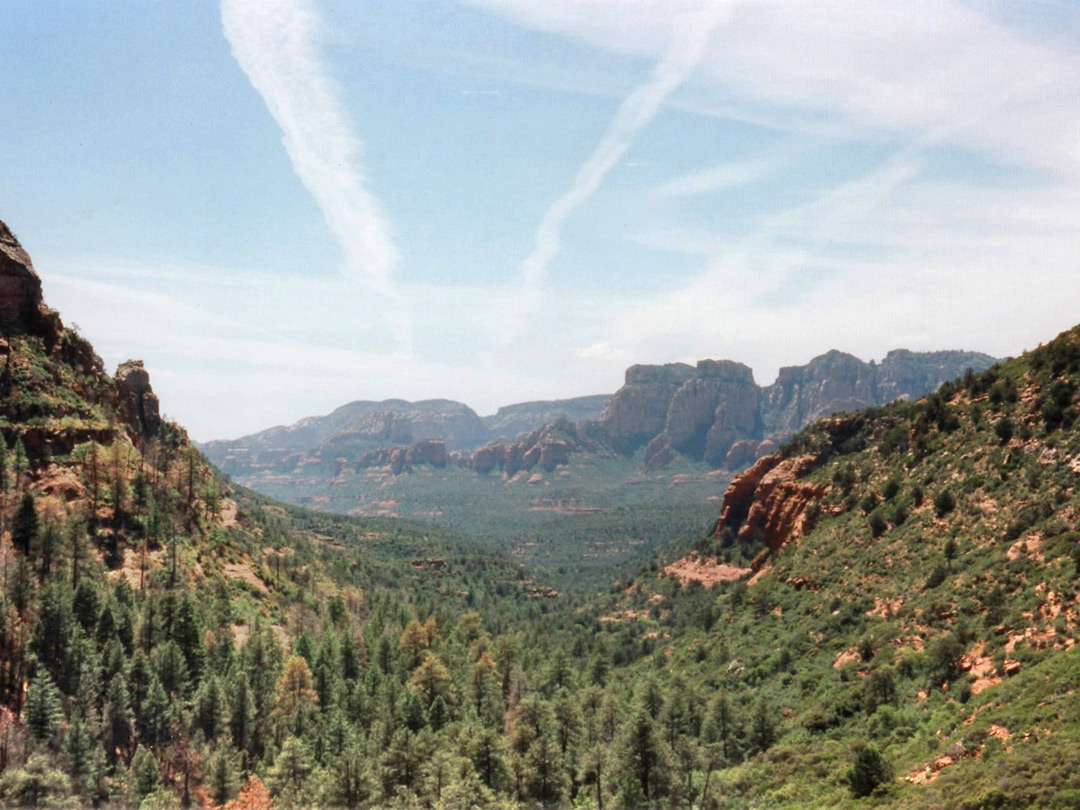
(690, 33)
(274, 42)
(718, 178)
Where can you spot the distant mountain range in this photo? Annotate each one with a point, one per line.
(712, 412)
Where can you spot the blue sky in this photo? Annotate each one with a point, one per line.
(285, 205)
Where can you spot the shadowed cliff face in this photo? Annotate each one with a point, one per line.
(22, 310)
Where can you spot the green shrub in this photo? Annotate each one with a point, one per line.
(868, 772)
(944, 503)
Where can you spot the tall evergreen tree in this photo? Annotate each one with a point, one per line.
(44, 710)
(117, 720)
(145, 777)
(24, 527)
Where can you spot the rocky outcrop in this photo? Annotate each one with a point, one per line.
(769, 503)
(708, 413)
(547, 447)
(350, 432)
(513, 420)
(137, 401)
(910, 375)
(837, 382)
(827, 384)
(22, 310)
(638, 411)
(431, 452)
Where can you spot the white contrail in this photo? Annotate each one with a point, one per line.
(274, 43)
(689, 38)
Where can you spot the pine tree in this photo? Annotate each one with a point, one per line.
(187, 632)
(24, 528)
(642, 759)
(431, 679)
(350, 657)
(78, 749)
(52, 630)
(762, 730)
(222, 778)
(241, 712)
(48, 546)
(171, 668)
(145, 777)
(117, 719)
(154, 717)
(353, 783)
(5, 476)
(22, 463)
(44, 710)
(21, 587)
(867, 772)
(291, 767)
(295, 697)
(211, 712)
(33, 782)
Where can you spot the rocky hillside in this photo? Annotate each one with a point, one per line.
(900, 588)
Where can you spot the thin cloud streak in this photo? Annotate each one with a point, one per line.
(718, 178)
(689, 38)
(273, 41)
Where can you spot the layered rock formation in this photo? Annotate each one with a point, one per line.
(638, 411)
(712, 412)
(707, 414)
(768, 502)
(51, 425)
(828, 384)
(546, 447)
(717, 413)
(367, 433)
(136, 400)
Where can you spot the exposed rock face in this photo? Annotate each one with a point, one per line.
(710, 412)
(836, 382)
(350, 432)
(638, 411)
(769, 503)
(22, 310)
(910, 375)
(512, 420)
(402, 459)
(827, 384)
(137, 400)
(547, 447)
(713, 412)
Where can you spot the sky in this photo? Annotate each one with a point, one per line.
(285, 205)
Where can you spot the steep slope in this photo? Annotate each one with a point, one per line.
(902, 581)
